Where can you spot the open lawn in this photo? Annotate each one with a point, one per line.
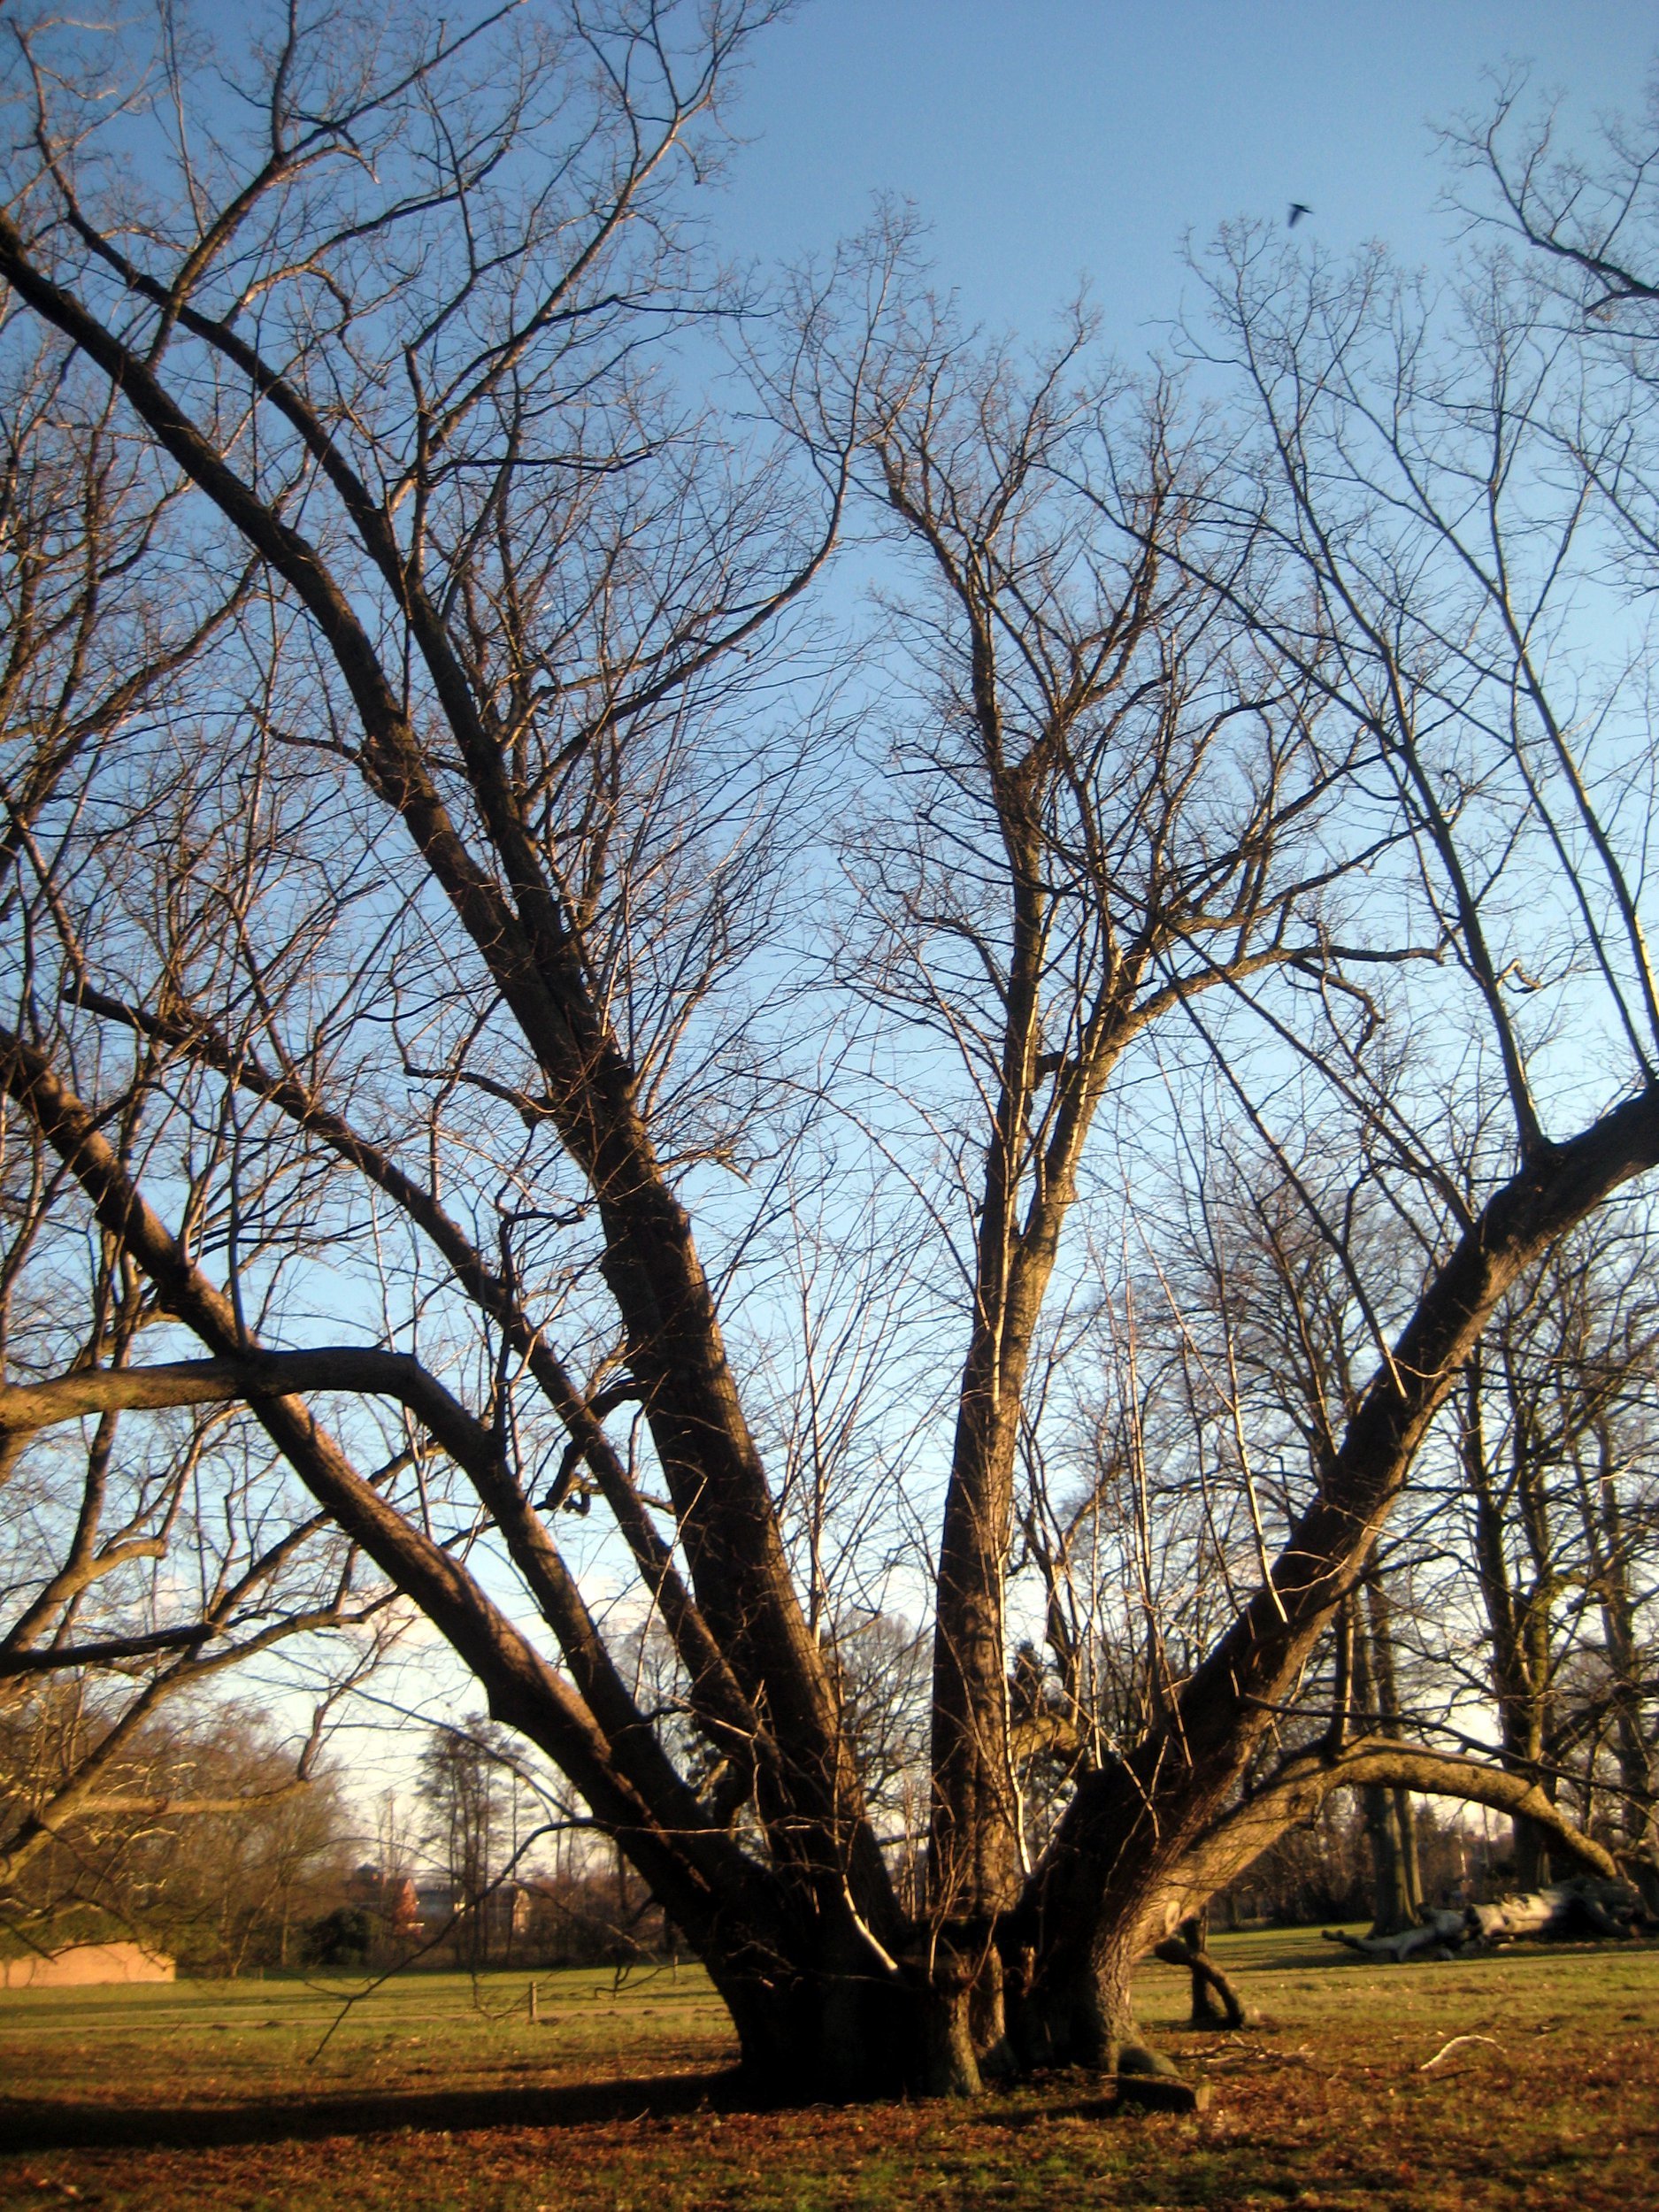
(435, 2091)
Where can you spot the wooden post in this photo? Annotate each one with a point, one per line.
(533, 2007)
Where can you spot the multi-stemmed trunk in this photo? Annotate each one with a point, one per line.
(828, 1984)
(774, 1871)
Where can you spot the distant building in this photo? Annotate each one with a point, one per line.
(392, 1898)
(435, 1914)
(504, 1911)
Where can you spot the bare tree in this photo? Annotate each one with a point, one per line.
(144, 1562)
(470, 1790)
(1554, 1441)
(1110, 808)
(1399, 494)
(1484, 1617)
(458, 990)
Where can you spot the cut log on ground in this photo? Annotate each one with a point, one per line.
(1584, 1907)
(1164, 2092)
(1146, 2077)
(1579, 1909)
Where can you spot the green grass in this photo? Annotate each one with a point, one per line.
(437, 2091)
(230, 2040)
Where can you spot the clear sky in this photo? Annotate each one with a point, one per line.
(1048, 138)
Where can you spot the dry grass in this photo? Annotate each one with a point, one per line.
(434, 2092)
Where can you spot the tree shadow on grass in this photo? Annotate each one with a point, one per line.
(44, 2124)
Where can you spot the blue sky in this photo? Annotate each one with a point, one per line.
(1048, 138)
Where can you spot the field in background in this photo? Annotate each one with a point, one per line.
(435, 2091)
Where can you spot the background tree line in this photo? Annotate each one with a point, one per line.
(202, 1845)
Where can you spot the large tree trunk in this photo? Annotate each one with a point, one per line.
(1394, 1893)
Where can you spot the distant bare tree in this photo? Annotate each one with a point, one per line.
(144, 1561)
(471, 1788)
(204, 1841)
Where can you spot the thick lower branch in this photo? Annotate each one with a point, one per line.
(628, 1782)
(716, 1697)
(1299, 1788)
(110, 1651)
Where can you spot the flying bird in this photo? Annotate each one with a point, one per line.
(1298, 209)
